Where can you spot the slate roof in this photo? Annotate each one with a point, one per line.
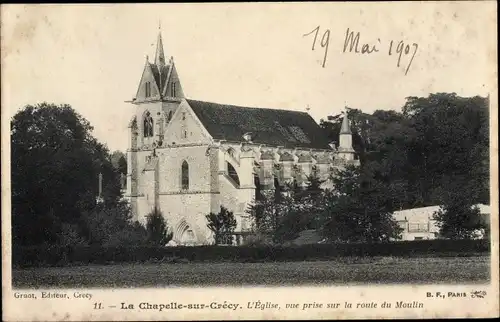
(305, 158)
(274, 127)
(286, 157)
(268, 155)
(156, 73)
(324, 159)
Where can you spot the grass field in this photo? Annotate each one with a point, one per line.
(384, 270)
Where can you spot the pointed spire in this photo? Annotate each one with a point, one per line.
(159, 56)
(345, 129)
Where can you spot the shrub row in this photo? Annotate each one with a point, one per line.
(58, 256)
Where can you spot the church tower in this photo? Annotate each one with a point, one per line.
(345, 150)
(157, 97)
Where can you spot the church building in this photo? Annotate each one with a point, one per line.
(189, 157)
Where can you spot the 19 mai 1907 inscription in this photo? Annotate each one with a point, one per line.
(353, 44)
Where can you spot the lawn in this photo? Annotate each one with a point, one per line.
(383, 270)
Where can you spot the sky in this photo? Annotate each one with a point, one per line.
(92, 56)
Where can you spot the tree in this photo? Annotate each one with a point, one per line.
(222, 224)
(111, 226)
(133, 234)
(458, 217)
(458, 220)
(55, 167)
(313, 201)
(98, 224)
(416, 150)
(357, 210)
(269, 210)
(283, 212)
(71, 236)
(300, 209)
(451, 141)
(119, 161)
(262, 212)
(157, 229)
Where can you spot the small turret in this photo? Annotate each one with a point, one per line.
(345, 149)
(99, 198)
(160, 55)
(345, 129)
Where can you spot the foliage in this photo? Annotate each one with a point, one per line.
(53, 255)
(222, 224)
(268, 212)
(436, 151)
(157, 228)
(283, 212)
(457, 217)
(358, 209)
(134, 234)
(112, 226)
(257, 239)
(119, 161)
(70, 236)
(418, 151)
(53, 153)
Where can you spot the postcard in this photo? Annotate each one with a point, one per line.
(305, 160)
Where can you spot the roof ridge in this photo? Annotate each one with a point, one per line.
(248, 107)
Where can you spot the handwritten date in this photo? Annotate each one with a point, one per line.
(352, 44)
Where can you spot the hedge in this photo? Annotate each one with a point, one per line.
(60, 256)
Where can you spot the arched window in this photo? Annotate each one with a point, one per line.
(147, 89)
(185, 176)
(148, 125)
(173, 89)
(231, 171)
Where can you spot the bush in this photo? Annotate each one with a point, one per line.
(112, 226)
(157, 228)
(222, 225)
(133, 235)
(257, 240)
(58, 255)
(70, 236)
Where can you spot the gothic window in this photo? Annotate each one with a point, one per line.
(184, 134)
(147, 89)
(231, 171)
(185, 176)
(173, 89)
(148, 125)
